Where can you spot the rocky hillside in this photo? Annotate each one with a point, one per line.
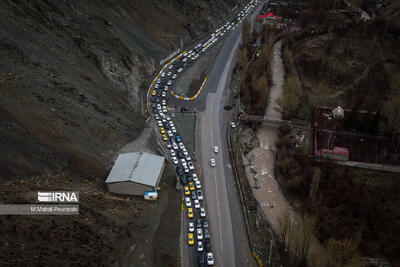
(72, 73)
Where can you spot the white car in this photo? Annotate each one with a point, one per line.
(187, 156)
(172, 152)
(195, 178)
(197, 204)
(181, 145)
(175, 160)
(156, 86)
(173, 129)
(184, 59)
(191, 166)
(202, 212)
(174, 76)
(169, 82)
(215, 149)
(200, 246)
(186, 169)
(191, 227)
(165, 88)
(174, 145)
(163, 94)
(158, 81)
(164, 109)
(210, 259)
(163, 102)
(170, 66)
(212, 162)
(199, 195)
(198, 184)
(170, 134)
(199, 234)
(180, 70)
(162, 74)
(169, 73)
(188, 202)
(168, 118)
(183, 161)
(159, 123)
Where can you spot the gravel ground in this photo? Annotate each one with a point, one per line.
(186, 126)
(190, 81)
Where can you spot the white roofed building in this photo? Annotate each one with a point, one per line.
(135, 173)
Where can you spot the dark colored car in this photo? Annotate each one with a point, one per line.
(206, 233)
(207, 245)
(189, 178)
(205, 223)
(183, 179)
(198, 223)
(179, 170)
(202, 260)
(194, 195)
(153, 105)
(166, 126)
(178, 138)
(155, 111)
(180, 155)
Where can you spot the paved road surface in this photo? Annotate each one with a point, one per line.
(229, 239)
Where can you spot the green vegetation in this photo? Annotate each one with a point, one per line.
(254, 65)
(345, 201)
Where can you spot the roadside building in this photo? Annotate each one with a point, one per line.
(135, 173)
(337, 153)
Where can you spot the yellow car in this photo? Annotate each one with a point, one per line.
(187, 192)
(191, 186)
(164, 137)
(190, 212)
(162, 130)
(190, 239)
(154, 92)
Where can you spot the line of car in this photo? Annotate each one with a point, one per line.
(174, 143)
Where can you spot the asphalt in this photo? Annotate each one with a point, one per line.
(229, 238)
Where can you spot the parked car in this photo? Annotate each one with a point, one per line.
(188, 202)
(179, 170)
(191, 239)
(194, 196)
(198, 225)
(190, 212)
(202, 260)
(202, 210)
(180, 155)
(187, 191)
(190, 166)
(174, 146)
(206, 233)
(199, 234)
(207, 245)
(200, 247)
(205, 223)
(195, 178)
(172, 152)
(191, 227)
(197, 204)
(183, 179)
(175, 160)
(198, 184)
(210, 259)
(199, 195)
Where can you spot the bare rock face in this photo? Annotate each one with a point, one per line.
(73, 73)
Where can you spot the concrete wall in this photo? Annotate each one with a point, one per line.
(128, 188)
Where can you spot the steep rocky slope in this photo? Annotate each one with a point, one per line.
(71, 74)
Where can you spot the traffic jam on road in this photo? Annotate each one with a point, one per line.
(198, 230)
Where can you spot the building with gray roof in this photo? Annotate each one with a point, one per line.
(135, 173)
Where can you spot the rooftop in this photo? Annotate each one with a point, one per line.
(139, 167)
